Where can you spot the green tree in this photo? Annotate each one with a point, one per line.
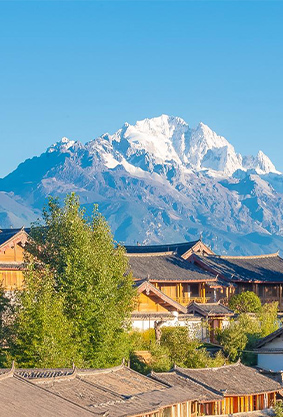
(42, 334)
(239, 334)
(247, 329)
(278, 409)
(91, 273)
(6, 312)
(268, 318)
(185, 350)
(245, 302)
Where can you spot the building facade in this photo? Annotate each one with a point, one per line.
(12, 243)
(122, 392)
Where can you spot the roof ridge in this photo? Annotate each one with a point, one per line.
(269, 337)
(163, 244)
(231, 365)
(144, 254)
(41, 387)
(268, 255)
(90, 371)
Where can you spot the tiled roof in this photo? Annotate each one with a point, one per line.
(7, 234)
(165, 267)
(234, 379)
(119, 391)
(19, 398)
(12, 265)
(43, 374)
(123, 381)
(209, 309)
(262, 342)
(174, 379)
(265, 268)
(178, 248)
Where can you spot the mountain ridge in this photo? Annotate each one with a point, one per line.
(160, 181)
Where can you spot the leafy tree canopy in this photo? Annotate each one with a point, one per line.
(244, 332)
(42, 334)
(177, 346)
(84, 286)
(245, 302)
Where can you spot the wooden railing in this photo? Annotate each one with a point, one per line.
(187, 300)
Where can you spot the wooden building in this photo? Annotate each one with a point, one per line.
(154, 306)
(208, 399)
(115, 392)
(12, 242)
(214, 315)
(241, 388)
(261, 274)
(171, 273)
(122, 392)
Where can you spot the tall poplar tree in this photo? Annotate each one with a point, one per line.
(42, 334)
(91, 273)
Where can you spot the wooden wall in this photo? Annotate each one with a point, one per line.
(147, 304)
(13, 254)
(11, 278)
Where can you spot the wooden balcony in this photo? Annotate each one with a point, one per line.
(187, 300)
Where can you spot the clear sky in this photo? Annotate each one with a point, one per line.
(80, 68)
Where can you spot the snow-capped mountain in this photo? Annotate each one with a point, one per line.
(161, 181)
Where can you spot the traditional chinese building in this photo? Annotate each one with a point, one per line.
(167, 268)
(261, 274)
(153, 306)
(214, 315)
(240, 388)
(115, 392)
(122, 392)
(12, 242)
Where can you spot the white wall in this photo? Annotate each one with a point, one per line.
(195, 326)
(270, 361)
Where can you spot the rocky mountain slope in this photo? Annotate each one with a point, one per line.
(158, 181)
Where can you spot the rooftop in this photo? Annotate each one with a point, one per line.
(195, 390)
(120, 391)
(178, 248)
(7, 234)
(166, 267)
(236, 379)
(269, 338)
(264, 268)
(209, 309)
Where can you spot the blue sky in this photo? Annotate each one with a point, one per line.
(78, 69)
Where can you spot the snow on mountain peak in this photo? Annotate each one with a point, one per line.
(165, 140)
(260, 163)
(264, 163)
(62, 146)
(210, 151)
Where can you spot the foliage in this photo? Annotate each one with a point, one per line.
(142, 340)
(186, 350)
(160, 358)
(176, 347)
(244, 332)
(177, 341)
(245, 302)
(268, 318)
(42, 334)
(5, 312)
(238, 335)
(91, 286)
(278, 409)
